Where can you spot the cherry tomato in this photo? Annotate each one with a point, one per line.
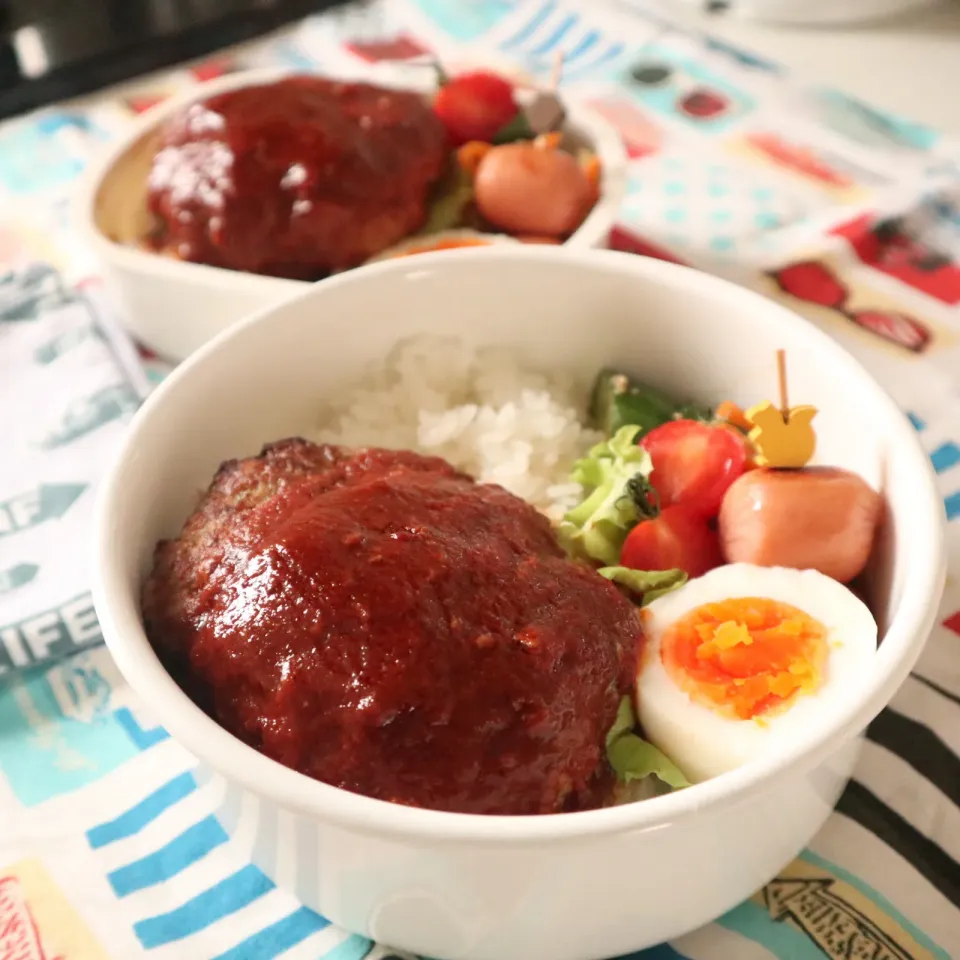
(475, 106)
(694, 463)
(678, 538)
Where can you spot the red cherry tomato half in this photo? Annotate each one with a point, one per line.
(694, 463)
(475, 106)
(677, 539)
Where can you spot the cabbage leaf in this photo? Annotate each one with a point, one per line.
(633, 758)
(615, 473)
(648, 584)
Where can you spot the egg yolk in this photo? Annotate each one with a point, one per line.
(746, 656)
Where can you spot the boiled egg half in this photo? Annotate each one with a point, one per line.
(745, 660)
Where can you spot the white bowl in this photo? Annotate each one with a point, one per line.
(174, 307)
(563, 887)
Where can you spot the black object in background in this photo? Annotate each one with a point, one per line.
(54, 49)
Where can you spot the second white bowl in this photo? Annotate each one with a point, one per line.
(174, 307)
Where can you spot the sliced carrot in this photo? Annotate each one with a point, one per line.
(730, 412)
(470, 155)
(548, 141)
(590, 165)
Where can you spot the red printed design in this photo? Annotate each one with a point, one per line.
(815, 282)
(213, 68)
(952, 622)
(704, 104)
(143, 103)
(398, 48)
(19, 937)
(888, 248)
(627, 242)
(799, 159)
(641, 136)
(896, 327)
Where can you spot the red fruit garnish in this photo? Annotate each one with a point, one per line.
(475, 106)
(694, 464)
(677, 539)
(812, 282)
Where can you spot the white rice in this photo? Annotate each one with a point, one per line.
(481, 410)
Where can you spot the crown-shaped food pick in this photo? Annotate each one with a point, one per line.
(783, 437)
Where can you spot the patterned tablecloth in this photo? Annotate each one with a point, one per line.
(111, 844)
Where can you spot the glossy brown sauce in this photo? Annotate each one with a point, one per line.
(383, 623)
(294, 178)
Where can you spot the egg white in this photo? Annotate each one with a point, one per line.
(704, 743)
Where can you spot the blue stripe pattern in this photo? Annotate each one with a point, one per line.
(192, 845)
(550, 29)
(353, 948)
(531, 27)
(278, 937)
(142, 738)
(147, 810)
(558, 34)
(947, 455)
(587, 42)
(608, 56)
(228, 896)
(782, 940)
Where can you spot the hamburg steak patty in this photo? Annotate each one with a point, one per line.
(381, 622)
(294, 178)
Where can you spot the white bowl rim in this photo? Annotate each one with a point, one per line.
(202, 736)
(593, 232)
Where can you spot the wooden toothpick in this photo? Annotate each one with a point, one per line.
(782, 383)
(556, 72)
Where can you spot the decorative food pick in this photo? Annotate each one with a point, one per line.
(546, 113)
(784, 437)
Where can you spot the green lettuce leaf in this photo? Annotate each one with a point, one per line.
(598, 525)
(451, 197)
(649, 584)
(633, 758)
(624, 723)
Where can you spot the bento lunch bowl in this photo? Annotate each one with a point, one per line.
(172, 306)
(576, 886)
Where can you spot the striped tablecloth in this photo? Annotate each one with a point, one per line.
(111, 843)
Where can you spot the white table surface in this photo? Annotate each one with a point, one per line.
(909, 65)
